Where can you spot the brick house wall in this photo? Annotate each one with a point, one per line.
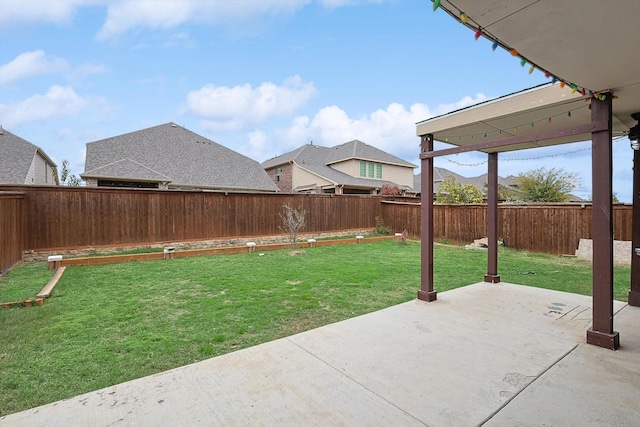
(285, 182)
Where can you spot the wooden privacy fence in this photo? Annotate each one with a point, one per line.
(76, 217)
(48, 218)
(550, 228)
(11, 229)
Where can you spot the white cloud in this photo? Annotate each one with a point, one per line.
(29, 64)
(228, 108)
(85, 70)
(58, 11)
(462, 103)
(57, 102)
(391, 129)
(124, 15)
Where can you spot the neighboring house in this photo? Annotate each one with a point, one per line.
(480, 182)
(21, 162)
(169, 156)
(350, 168)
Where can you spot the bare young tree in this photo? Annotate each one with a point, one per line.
(292, 223)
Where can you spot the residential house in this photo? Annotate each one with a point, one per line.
(21, 162)
(480, 182)
(350, 168)
(169, 156)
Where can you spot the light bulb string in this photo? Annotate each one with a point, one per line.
(468, 21)
(524, 159)
(514, 130)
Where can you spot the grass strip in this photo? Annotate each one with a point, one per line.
(107, 324)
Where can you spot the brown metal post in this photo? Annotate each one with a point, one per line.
(634, 292)
(426, 292)
(601, 332)
(492, 220)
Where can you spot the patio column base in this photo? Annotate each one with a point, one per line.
(601, 339)
(427, 296)
(634, 298)
(492, 278)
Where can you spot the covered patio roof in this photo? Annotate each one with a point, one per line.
(587, 43)
(544, 110)
(589, 51)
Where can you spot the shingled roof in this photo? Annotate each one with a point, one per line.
(171, 153)
(16, 157)
(440, 174)
(318, 160)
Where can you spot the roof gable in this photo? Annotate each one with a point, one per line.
(16, 157)
(180, 156)
(359, 150)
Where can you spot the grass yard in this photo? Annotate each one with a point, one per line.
(111, 323)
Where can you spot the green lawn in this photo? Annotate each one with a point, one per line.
(111, 323)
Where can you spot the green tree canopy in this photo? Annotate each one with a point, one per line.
(66, 178)
(547, 185)
(452, 192)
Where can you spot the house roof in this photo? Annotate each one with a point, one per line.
(16, 156)
(359, 150)
(317, 154)
(127, 168)
(177, 155)
(602, 59)
(317, 159)
(440, 174)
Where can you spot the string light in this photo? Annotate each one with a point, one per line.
(515, 128)
(526, 159)
(464, 18)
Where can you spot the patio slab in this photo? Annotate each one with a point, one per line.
(497, 353)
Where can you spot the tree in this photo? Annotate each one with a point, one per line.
(65, 178)
(451, 192)
(292, 222)
(547, 185)
(390, 190)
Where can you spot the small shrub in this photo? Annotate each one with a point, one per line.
(381, 228)
(390, 190)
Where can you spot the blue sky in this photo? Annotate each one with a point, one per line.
(261, 77)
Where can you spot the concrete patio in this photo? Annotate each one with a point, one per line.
(492, 354)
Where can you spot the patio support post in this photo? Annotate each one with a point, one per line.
(601, 332)
(492, 275)
(426, 292)
(634, 292)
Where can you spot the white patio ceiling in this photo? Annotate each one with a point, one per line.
(592, 44)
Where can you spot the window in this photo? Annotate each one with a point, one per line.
(278, 171)
(370, 169)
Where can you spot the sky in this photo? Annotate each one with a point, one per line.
(261, 77)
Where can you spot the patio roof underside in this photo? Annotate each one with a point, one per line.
(592, 44)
